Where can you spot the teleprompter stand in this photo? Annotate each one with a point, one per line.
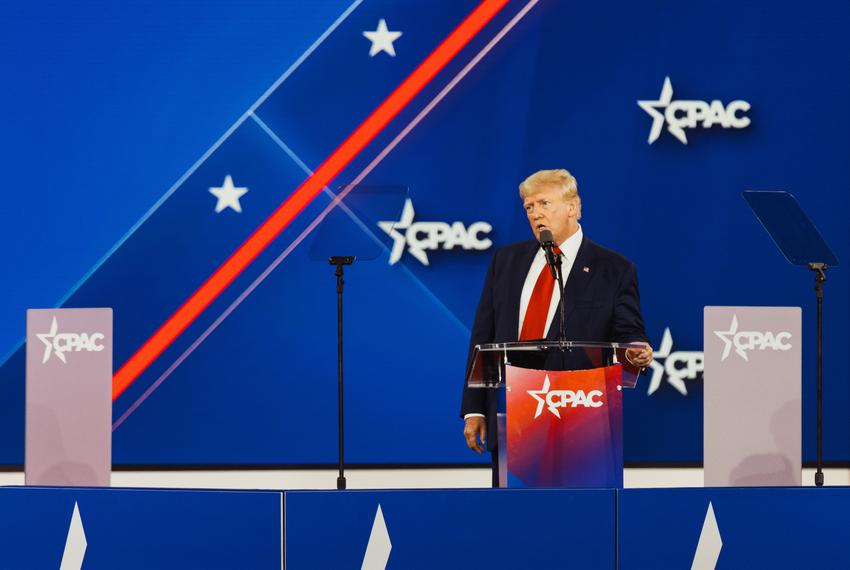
(347, 225)
(340, 261)
(801, 243)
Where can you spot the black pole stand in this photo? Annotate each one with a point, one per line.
(561, 336)
(340, 262)
(820, 277)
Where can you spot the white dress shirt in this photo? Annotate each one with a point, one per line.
(569, 251)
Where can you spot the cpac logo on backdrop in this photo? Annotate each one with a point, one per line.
(684, 114)
(744, 341)
(678, 366)
(564, 399)
(59, 343)
(421, 237)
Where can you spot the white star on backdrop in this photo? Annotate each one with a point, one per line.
(228, 195)
(658, 368)
(676, 366)
(658, 118)
(399, 239)
(382, 39)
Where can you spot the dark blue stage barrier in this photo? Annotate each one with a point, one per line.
(451, 528)
(139, 528)
(394, 530)
(758, 527)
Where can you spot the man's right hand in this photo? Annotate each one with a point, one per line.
(475, 432)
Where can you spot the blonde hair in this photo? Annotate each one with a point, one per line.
(559, 178)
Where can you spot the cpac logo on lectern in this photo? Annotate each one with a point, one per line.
(684, 114)
(744, 341)
(421, 237)
(59, 343)
(564, 399)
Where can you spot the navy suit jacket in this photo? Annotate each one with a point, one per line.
(601, 304)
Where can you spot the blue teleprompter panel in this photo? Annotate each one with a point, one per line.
(757, 527)
(482, 528)
(139, 528)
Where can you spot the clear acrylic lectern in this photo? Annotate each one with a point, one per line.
(559, 410)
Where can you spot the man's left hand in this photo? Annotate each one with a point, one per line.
(640, 357)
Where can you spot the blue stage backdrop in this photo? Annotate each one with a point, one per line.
(141, 145)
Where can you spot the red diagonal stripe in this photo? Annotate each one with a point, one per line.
(303, 195)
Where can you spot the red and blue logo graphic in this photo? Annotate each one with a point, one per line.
(564, 428)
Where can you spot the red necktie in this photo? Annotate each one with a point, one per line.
(538, 306)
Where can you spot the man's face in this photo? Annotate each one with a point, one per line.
(547, 208)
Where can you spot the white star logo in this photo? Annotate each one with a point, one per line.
(658, 117)
(382, 39)
(379, 546)
(540, 396)
(710, 543)
(228, 195)
(658, 369)
(677, 366)
(399, 240)
(727, 337)
(75, 543)
(48, 344)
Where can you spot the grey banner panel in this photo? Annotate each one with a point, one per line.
(69, 397)
(752, 422)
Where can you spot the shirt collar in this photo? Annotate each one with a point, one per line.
(569, 248)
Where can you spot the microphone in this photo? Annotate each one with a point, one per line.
(553, 260)
(547, 242)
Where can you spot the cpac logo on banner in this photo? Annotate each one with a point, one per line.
(59, 343)
(677, 366)
(744, 341)
(686, 114)
(421, 237)
(564, 399)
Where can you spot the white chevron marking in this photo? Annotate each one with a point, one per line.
(75, 543)
(379, 546)
(710, 543)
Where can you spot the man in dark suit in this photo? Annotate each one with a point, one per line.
(520, 300)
